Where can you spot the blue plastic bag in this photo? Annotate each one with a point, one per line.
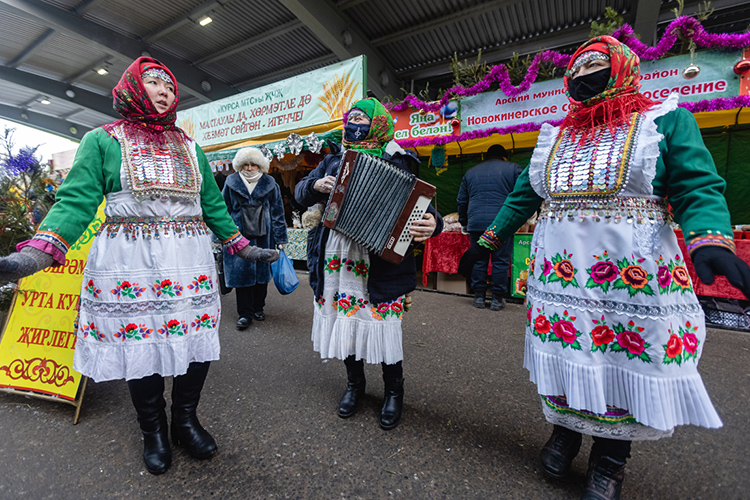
(284, 275)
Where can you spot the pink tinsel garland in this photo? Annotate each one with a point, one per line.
(690, 27)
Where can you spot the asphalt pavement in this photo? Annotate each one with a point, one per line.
(472, 424)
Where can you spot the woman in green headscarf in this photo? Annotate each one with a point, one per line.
(360, 298)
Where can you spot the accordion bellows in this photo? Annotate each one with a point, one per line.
(374, 203)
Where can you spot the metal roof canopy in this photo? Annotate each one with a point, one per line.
(50, 50)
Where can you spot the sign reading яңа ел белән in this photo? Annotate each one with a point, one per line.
(546, 101)
(317, 97)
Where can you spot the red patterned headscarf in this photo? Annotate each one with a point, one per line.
(131, 100)
(621, 97)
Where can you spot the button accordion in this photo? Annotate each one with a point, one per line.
(374, 203)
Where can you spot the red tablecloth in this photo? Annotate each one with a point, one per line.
(443, 252)
(720, 287)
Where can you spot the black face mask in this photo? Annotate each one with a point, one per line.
(587, 86)
(356, 132)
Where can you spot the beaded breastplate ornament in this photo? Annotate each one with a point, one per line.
(599, 166)
(158, 170)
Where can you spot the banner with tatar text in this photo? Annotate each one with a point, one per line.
(317, 97)
(36, 350)
(546, 101)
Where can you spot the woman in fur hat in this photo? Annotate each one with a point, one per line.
(149, 305)
(254, 193)
(614, 331)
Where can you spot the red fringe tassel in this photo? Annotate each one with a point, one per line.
(614, 112)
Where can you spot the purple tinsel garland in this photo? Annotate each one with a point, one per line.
(22, 163)
(689, 26)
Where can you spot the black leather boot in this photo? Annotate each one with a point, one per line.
(148, 399)
(186, 429)
(393, 402)
(558, 453)
(355, 387)
(604, 477)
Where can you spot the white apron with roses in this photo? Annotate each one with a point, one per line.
(614, 330)
(149, 297)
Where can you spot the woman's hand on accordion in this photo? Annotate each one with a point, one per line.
(324, 185)
(423, 229)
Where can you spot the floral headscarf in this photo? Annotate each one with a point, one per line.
(131, 100)
(381, 127)
(620, 98)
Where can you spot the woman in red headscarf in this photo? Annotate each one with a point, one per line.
(149, 305)
(614, 331)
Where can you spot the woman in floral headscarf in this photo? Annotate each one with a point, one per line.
(614, 331)
(149, 305)
(359, 297)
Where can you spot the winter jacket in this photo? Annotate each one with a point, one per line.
(483, 191)
(239, 272)
(386, 281)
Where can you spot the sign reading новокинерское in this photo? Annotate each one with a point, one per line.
(546, 101)
(317, 97)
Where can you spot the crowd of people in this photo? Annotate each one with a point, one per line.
(602, 322)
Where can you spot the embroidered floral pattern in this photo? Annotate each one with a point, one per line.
(601, 335)
(92, 330)
(168, 288)
(320, 301)
(358, 267)
(633, 277)
(92, 289)
(529, 311)
(542, 326)
(127, 289)
(628, 339)
(202, 282)
(560, 269)
(386, 309)
(564, 331)
(205, 321)
(173, 327)
(673, 276)
(133, 331)
(348, 304)
(333, 265)
(681, 346)
(603, 273)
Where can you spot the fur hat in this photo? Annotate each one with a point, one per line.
(245, 156)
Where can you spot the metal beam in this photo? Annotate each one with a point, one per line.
(646, 19)
(53, 88)
(269, 34)
(284, 73)
(340, 35)
(556, 40)
(64, 128)
(30, 49)
(83, 73)
(439, 22)
(182, 20)
(667, 16)
(190, 79)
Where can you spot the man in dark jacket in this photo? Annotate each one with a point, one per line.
(481, 195)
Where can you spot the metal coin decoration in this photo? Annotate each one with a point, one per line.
(691, 72)
(279, 151)
(266, 152)
(314, 143)
(294, 141)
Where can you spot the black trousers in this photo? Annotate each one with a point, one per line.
(500, 264)
(251, 299)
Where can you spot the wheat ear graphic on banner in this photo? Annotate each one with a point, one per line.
(338, 95)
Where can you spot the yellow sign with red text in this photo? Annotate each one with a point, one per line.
(36, 350)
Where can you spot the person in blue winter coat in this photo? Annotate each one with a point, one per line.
(481, 195)
(251, 186)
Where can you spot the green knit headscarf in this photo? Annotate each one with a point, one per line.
(381, 127)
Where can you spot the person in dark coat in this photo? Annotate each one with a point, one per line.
(251, 186)
(481, 195)
(360, 298)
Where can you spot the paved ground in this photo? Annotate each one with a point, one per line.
(472, 426)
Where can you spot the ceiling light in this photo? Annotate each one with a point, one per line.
(70, 93)
(205, 21)
(45, 101)
(102, 71)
